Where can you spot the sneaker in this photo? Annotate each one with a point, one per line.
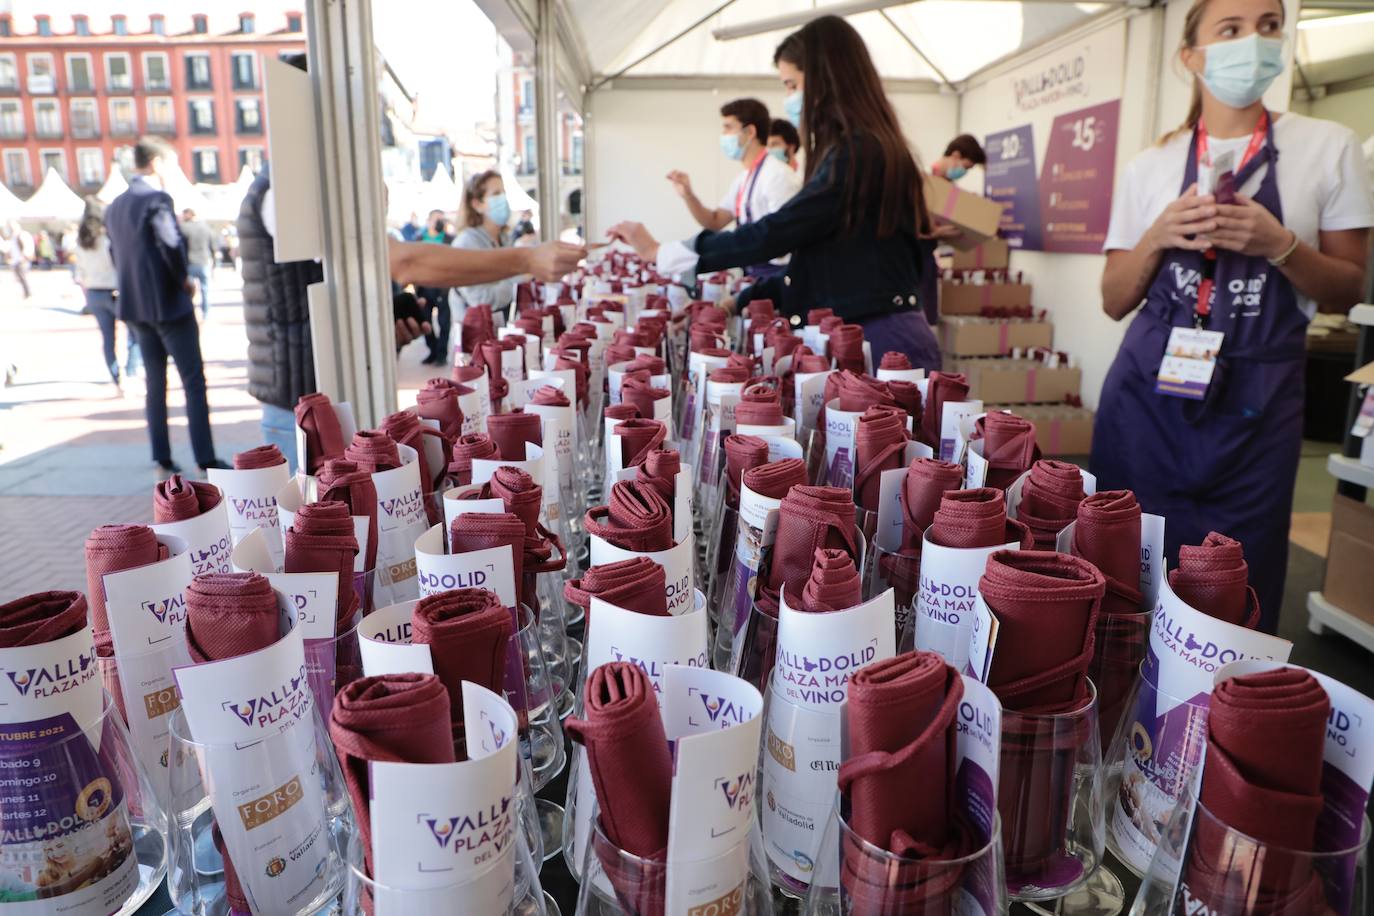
(171, 467)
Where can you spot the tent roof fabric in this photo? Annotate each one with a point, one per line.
(53, 201)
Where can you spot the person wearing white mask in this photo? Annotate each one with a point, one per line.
(485, 214)
(1223, 239)
(761, 188)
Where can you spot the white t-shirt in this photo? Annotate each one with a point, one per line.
(1323, 183)
(775, 186)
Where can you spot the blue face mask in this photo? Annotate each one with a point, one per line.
(730, 146)
(498, 209)
(792, 107)
(955, 172)
(1237, 72)
(778, 152)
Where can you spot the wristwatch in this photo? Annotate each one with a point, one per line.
(1287, 252)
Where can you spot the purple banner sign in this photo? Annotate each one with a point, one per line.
(1076, 182)
(1010, 179)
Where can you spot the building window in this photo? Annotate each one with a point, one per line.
(202, 116)
(54, 159)
(17, 173)
(207, 164)
(47, 119)
(526, 96)
(293, 22)
(9, 73)
(79, 77)
(250, 158)
(41, 79)
(157, 24)
(123, 122)
(245, 68)
(6, 26)
(119, 76)
(161, 116)
(90, 166)
(120, 24)
(198, 71)
(81, 26)
(246, 23)
(249, 116)
(11, 120)
(44, 24)
(527, 163)
(156, 75)
(200, 24)
(85, 119)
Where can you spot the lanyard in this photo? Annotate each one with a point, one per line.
(746, 188)
(1206, 286)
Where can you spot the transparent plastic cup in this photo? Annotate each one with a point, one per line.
(332, 663)
(901, 573)
(531, 693)
(1119, 647)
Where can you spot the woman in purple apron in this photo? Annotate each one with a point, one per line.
(1222, 453)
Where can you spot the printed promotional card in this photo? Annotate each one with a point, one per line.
(401, 519)
(787, 431)
(455, 506)
(900, 375)
(251, 497)
(1017, 485)
(713, 719)
(840, 426)
(439, 571)
(384, 643)
(207, 538)
(615, 450)
(677, 563)
(949, 590)
(758, 522)
(891, 518)
(560, 427)
(476, 406)
(817, 653)
(811, 337)
(810, 391)
(717, 423)
(289, 501)
(1152, 561)
(451, 825)
(253, 718)
(347, 424)
(951, 436)
(699, 365)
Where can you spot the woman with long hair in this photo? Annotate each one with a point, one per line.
(485, 215)
(1224, 239)
(95, 274)
(853, 228)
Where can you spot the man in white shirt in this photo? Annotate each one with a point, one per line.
(764, 185)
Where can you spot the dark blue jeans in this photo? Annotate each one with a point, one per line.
(101, 304)
(179, 339)
(905, 332)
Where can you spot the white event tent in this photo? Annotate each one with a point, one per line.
(53, 201)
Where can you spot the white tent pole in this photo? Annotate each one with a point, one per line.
(546, 116)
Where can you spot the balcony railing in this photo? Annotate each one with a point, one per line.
(123, 128)
(48, 132)
(85, 132)
(13, 133)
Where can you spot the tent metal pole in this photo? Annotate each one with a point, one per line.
(944, 80)
(546, 117)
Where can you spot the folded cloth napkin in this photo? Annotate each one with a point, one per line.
(816, 316)
(834, 584)
(809, 519)
(894, 361)
(858, 392)
(264, 456)
(387, 718)
(728, 375)
(1263, 777)
(41, 617)
(741, 454)
(776, 478)
(632, 771)
(941, 388)
(177, 499)
(510, 431)
(345, 482)
(879, 445)
(483, 530)
(465, 449)
(1215, 579)
(659, 470)
(405, 428)
(637, 584)
(829, 323)
(1107, 535)
(565, 360)
(466, 375)
(926, 482)
(490, 355)
(636, 518)
(322, 539)
(759, 405)
(110, 549)
(847, 346)
(742, 361)
(1008, 445)
(621, 411)
(617, 353)
(976, 518)
(543, 551)
(783, 342)
(907, 396)
(1049, 500)
(549, 396)
(531, 325)
(639, 437)
(899, 782)
(438, 400)
(478, 326)
(654, 364)
(807, 362)
(761, 310)
(373, 451)
(703, 339)
(468, 631)
(323, 435)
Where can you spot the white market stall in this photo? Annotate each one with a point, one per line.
(53, 202)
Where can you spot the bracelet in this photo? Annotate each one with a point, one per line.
(1287, 252)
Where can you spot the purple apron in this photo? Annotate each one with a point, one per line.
(1227, 463)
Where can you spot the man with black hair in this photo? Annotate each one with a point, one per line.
(961, 154)
(783, 142)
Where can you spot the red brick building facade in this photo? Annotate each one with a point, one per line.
(78, 100)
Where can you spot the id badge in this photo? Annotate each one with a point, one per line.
(1189, 361)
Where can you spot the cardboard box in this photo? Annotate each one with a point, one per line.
(973, 213)
(1059, 429)
(1350, 557)
(968, 336)
(1017, 381)
(994, 254)
(972, 298)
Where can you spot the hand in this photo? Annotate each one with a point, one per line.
(681, 183)
(1249, 228)
(637, 237)
(945, 231)
(1190, 215)
(550, 261)
(728, 303)
(408, 329)
(189, 285)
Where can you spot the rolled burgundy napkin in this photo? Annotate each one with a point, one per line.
(531, 325)
(632, 769)
(830, 322)
(467, 631)
(490, 353)
(639, 437)
(761, 310)
(741, 454)
(894, 361)
(636, 518)
(637, 584)
(1008, 445)
(879, 445)
(899, 781)
(264, 456)
(621, 411)
(543, 551)
(478, 326)
(405, 428)
(703, 339)
(387, 718)
(465, 449)
(581, 373)
(776, 478)
(743, 362)
(923, 489)
(808, 362)
(654, 364)
(1049, 500)
(177, 499)
(659, 470)
(466, 375)
(816, 316)
(976, 518)
(510, 431)
(617, 353)
(847, 346)
(907, 396)
(322, 539)
(483, 530)
(858, 392)
(323, 435)
(41, 617)
(809, 519)
(1214, 578)
(549, 396)
(1274, 797)
(373, 450)
(783, 342)
(728, 375)
(110, 549)
(439, 400)
(834, 584)
(759, 405)
(942, 387)
(346, 482)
